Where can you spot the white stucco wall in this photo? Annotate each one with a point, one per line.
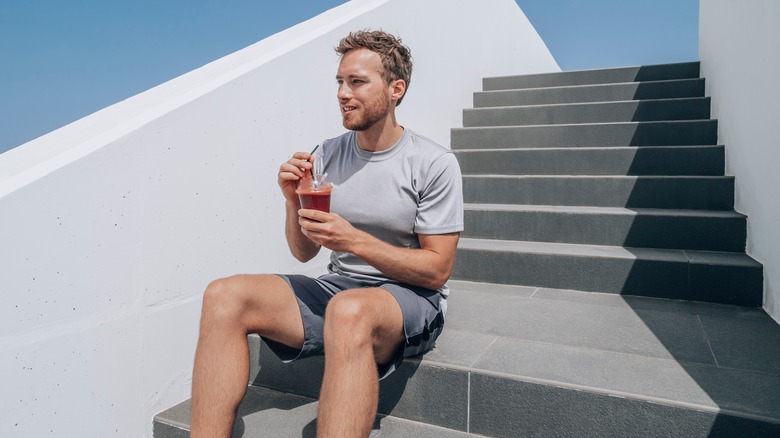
(738, 47)
(111, 227)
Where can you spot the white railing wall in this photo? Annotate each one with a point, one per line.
(738, 47)
(111, 227)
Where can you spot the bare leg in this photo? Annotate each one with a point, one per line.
(362, 328)
(232, 308)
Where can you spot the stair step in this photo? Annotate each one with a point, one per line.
(665, 133)
(720, 277)
(265, 412)
(661, 72)
(675, 192)
(523, 361)
(613, 160)
(694, 108)
(670, 89)
(644, 228)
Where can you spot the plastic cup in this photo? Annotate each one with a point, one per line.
(314, 193)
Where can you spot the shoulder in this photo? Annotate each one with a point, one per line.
(425, 144)
(430, 151)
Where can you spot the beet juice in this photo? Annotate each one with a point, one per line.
(315, 198)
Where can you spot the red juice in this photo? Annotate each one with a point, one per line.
(315, 198)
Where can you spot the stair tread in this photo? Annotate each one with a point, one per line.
(623, 177)
(683, 353)
(681, 70)
(563, 125)
(267, 412)
(587, 104)
(585, 148)
(573, 209)
(585, 85)
(571, 249)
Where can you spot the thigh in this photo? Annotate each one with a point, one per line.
(265, 305)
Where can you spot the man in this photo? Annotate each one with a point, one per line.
(396, 215)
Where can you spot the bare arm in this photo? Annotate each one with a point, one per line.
(429, 266)
(301, 247)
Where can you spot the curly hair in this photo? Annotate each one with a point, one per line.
(396, 57)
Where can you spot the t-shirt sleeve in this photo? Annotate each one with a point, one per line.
(440, 209)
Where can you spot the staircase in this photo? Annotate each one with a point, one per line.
(601, 287)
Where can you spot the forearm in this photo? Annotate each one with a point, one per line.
(425, 267)
(301, 247)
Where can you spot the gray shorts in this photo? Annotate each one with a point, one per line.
(423, 317)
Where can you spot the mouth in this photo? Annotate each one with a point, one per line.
(345, 110)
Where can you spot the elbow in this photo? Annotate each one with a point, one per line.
(439, 279)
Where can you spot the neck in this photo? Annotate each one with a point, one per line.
(381, 135)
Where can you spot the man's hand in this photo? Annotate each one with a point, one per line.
(291, 172)
(330, 230)
(297, 167)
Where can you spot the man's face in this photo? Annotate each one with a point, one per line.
(364, 96)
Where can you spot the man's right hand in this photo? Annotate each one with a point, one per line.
(292, 171)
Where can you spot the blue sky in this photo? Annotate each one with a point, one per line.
(63, 60)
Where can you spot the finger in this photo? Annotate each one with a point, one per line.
(303, 159)
(313, 215)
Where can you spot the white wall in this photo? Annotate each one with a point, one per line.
(738, 46)
(111, 227)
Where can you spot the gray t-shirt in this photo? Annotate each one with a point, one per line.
(413, 188)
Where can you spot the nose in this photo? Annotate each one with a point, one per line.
(344, 93)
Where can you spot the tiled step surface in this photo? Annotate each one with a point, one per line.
(268, 413)
(661, 133)
(695, 108)
(524, 361)
(642, 160)
(646, 228)
(670, 89)
(685, 70)
(688, 193)
(718, 277)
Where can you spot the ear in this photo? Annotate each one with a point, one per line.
(397, 89)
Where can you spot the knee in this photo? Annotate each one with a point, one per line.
(221, 300)
(346, 318)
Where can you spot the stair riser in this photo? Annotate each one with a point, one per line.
(516, 408)
(595, 93)
(702, 161)
(628, 74)
(704, 132)
(693, 193)
(644, 277)
(415, 391)
(642, 231)
(651, 110)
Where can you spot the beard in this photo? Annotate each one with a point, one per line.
(372, 112)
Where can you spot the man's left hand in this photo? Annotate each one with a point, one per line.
(329, 230)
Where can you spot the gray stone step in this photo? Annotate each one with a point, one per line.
(612, 160)
(675, 192)
(693, 108)
(678, 88)
(268, 413)
(644, 228)
(524, 361)
(719, 277)
(685, 70)
(665, 133)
